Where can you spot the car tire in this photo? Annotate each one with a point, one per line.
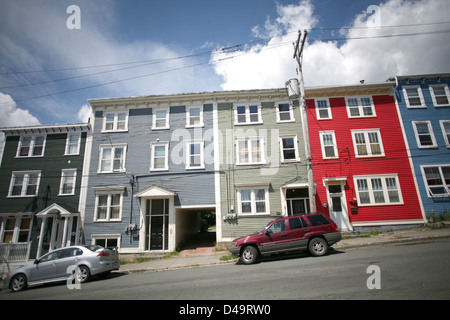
(318, 247)
(249, 255)
(83, 274)
(18, 283)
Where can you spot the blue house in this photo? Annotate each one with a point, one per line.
(151, 171)
(424, 105)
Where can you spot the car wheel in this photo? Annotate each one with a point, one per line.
(83, 274)
(249, 255)
(318, 247)
(18, 283)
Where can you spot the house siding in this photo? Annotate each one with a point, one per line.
(194, 189)
(395, 161)
(422, 157)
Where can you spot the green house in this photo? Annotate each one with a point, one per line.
(42, 179)
(261, 162)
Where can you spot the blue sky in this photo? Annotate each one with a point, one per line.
(119, 48)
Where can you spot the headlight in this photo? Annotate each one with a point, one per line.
(233, 244)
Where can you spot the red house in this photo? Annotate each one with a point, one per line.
(361, 165)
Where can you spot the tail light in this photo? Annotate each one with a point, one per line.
(103, 254)
(335, 227)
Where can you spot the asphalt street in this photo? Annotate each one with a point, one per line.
(407, 271)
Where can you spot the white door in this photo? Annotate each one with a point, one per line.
(338, 207)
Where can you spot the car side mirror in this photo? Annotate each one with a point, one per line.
(36, 261)
(267, 232)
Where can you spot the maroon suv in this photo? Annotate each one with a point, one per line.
(314, 232)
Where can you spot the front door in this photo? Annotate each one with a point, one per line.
(338, 212)
(157, 224)
(297, 201)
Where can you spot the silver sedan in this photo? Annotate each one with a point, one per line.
(76, 262)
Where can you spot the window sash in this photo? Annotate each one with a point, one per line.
(247, 114)
(360, 107)
(108, 207)
(24, 184)
(112, 159)
(68, 180)
(413, 97)
(424, 134)
(367, 143)
(253, 201)
(250, 151)
(194, 159)
(378, 190)
(323, 109)
(437, 180)
(329, 147)
(159, 156)
(440, 95)
(116, 121)
(284, 112)
(31, 146)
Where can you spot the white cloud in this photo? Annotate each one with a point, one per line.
(11, 116)
(84, 113)
(327, 62)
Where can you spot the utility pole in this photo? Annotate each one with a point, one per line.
(298, 51)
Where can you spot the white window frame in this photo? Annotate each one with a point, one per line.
(189, 165)
(167, 118)
(109, 194)
(115, 122)
(76, 145)
(32, 146)
(431, 133)
(165, 144)
(67, 173)
(360, 107)
(334, 145)
(290, 112)
(419, 95)
(441, 176)
(445, 133)
(112, 159)
(25, 183)
(247, 114)
(371, 191)
(16, 230)
(433, 94)
(106, 237)
(250, 142)
(189, 117)
(295, 140)
(328, 108)
(253, 201)
(367, 133)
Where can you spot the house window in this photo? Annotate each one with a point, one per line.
(194, 117)
(73, 144)
(289, 150)
(253, 201)
(437, 180)
(194, 153)
(248, 114)
(328, 143)
(440, 95)
(112, 158)
(108, 207)
(106, 241)
(323, 109)
(367, 143)
(67, 185)
(285, 113)
(31, 146)
(250, 151)
(117, 121)
(378, 190)
(159, 156)
(15, 230)
(161, 119)
(24, 184)
(445, 126)
(360, 107)
(424, 134)
(413, 97)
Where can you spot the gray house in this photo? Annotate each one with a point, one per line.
(151, 171)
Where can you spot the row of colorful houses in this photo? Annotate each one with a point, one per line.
(141, 172)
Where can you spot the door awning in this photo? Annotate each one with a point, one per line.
(155, 191)
(58, 208)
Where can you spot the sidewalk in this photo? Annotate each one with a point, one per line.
(205, 257)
